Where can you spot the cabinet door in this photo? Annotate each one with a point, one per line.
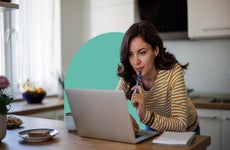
(225, 130)
(60, 114)
(45, 114)
(53, 114)
(208, 18)
(209, 120)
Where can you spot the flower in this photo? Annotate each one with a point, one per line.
(4, 83)
(5, 99)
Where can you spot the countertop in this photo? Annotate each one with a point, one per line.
(71, 141)
(211, 103)
(21, 107)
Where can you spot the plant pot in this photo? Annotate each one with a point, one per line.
(3, 125)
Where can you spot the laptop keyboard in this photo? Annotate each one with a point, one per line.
(137, 135)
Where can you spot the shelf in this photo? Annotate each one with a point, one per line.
(9, 5)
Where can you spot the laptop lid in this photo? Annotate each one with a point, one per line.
(103, 114)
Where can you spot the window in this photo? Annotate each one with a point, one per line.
(32, 47)
(2, 52)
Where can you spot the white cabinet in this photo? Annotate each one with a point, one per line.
(215, 123)
(53, 114)
(210, 124)
(208, 18)
(225, 130)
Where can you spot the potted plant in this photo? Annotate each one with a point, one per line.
(5, 101)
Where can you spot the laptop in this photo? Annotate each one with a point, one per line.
(103, 114)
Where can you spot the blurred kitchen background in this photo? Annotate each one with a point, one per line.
(207, 54)
(39, 39)
(195, 31)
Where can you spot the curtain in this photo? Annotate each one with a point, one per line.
(2, 54)
(36, 45)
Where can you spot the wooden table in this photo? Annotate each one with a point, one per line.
(66, 140)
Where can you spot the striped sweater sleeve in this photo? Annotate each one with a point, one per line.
(176, 117)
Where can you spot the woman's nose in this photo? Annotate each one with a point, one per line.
(136, 60)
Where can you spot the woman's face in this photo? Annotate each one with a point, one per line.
(141, 56)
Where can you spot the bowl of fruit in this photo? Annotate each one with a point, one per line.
(32, 94)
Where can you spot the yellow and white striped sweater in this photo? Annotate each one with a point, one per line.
(168, 107)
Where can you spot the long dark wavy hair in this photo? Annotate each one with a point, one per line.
(163, 61)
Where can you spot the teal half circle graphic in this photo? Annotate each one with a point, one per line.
(94, 66)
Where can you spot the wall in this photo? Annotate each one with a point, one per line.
(75, 27)
(111, 16)
(83, 19)
(209, 64)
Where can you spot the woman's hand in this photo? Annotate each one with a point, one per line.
(138, 102)
(134, 123)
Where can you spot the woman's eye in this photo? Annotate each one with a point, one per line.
(130, 54)
(142, 52)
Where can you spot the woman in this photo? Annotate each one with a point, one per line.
(162, 102)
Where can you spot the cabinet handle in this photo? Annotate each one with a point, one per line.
(207, 117)
(227, 119)
(216, 28)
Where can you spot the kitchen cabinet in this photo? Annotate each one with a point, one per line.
(225, 130)
(210, 124)
(50, 108)
(54, 114)
(215, 123)
(208, 18)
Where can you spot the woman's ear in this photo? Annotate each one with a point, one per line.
(156, 51)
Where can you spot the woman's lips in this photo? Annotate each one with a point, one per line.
(139, 69)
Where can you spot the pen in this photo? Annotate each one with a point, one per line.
(137, 81)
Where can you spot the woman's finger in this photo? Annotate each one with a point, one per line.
(134, 100)
(134, 124)
(136, 89)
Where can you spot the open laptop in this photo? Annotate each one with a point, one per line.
(103, 114)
